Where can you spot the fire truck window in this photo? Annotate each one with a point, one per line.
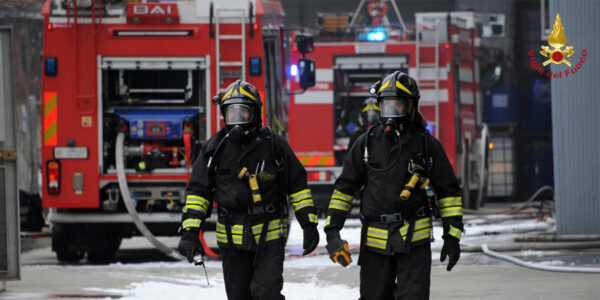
(276, 108)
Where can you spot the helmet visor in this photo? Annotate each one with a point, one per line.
(236, 114)
(371, 116)
(393, 108)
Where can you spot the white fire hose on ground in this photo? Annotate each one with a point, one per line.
(129, 203)
(522, 263)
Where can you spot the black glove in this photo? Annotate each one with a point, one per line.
(190, 246)
(451, 249)
(338, 248)
(311, 239)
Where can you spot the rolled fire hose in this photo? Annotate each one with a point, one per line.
(129, 203)
(522, 263)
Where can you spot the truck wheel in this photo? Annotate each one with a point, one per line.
(102, 248)
(69, 256)
(68, 243)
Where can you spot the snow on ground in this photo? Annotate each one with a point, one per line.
(183, 281)
(169, 290)
(478, 230)
(479, 226)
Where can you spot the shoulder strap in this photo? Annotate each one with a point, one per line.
(428, 158)
(281, 177)
(276, 150)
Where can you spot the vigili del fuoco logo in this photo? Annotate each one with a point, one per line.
(556, 54)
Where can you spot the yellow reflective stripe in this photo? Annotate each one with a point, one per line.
(336, 204)
(402, 87)
(374, 106)
(302, 204)
(342, 195)
(247, 94)
(450, 201)
(256, 229)
(377, 235)
(422, 223)
(197, 203)
(421, 234)
(328, 221)
(300, 194)
(235, 229)
(191, 223)
(299, 199)
(220, 226)
(194, 207)
(451, 211)
(313, 218)
(196, 200)
(455, 232)
(222, 237)
(376, 243)
(404, 230)
(379, 230)
(274, 224)
(384, 86)
(273, 235)
(341, 200)
(227, 94)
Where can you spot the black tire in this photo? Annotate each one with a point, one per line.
(103, 248)
(69, 256)
(68, 242)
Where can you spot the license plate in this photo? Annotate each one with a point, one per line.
(70, 152)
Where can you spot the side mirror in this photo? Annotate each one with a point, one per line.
(306, 72)
(304, 43)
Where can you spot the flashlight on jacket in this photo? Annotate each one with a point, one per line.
(415, 179)
(252, 182)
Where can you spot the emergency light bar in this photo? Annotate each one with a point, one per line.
(153, 33)
(375, 35)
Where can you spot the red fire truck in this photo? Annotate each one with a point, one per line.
(146, 71)
(441, 52)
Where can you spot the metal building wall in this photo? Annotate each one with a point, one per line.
(575, 115)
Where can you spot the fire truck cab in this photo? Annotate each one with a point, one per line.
(440, 52)
(149, 71)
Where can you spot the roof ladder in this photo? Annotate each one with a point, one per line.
(230, 14)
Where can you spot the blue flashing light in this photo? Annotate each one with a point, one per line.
(51, 67)
(255, 66)
(351, 127)
(294, 70)
(377, 35)
(431, 129)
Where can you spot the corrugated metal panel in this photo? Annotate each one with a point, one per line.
(575, 115)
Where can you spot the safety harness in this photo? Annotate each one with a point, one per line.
(258, 211)
(412, 226)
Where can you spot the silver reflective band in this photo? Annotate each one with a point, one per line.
(393, 108)
(237, 114)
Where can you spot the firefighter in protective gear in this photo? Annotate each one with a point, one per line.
(250, 173)
(369, 116)
(395, 253)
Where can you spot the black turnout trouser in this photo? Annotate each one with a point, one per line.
(401, 276)
(263, 281)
